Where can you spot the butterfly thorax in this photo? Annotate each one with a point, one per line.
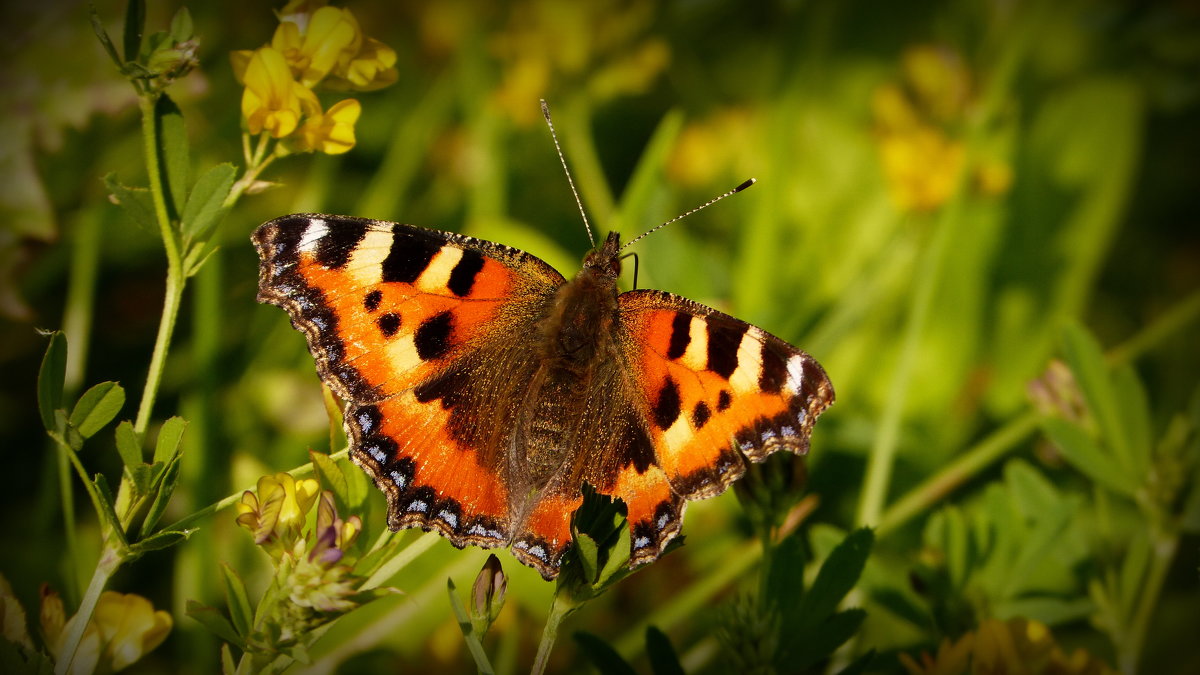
(578, 347)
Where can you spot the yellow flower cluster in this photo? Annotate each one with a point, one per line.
(921, 158)
(600, 47)
(277, 512)
(1013, 647)
(314, 45)
(124, 628)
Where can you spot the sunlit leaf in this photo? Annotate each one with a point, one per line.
(97, 407)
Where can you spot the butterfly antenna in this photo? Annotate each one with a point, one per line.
(558, 149)
(681, 216)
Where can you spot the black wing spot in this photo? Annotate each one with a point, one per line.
(724, 399)
(700, 415)
(389, 324)
(337, 245)
(680, 335)
(723, 344)
(667, 410)
(462, 277)
(409, 256)
(433, 337)
(371, 300)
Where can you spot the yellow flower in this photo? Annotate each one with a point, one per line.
(273, 101)
(300, 11)
(331, 132)
(276, 514)
(330, 38)
(598, 47)
(123, 629)
(922, 167)
(1014, 647)
(917, 123)
(373, 67)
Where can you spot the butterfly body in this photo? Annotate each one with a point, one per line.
(483, 389)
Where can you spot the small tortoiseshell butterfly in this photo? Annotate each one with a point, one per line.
(483, 388)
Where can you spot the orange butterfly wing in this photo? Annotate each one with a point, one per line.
(409, 326)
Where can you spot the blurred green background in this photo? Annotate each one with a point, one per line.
(942, 187)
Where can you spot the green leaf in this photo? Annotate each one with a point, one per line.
(662, 656)
(1084, 356)
(107, 514)
(837, 576)
(129, 447)
(182, 28)
(859, 665)
(820, 643)
(205, 205)
(102, 35)
(240, 610)
(51, 376)
(602, 656)
(212, 619)
(97, 407)
(639, 192)
(785, 586)
(173, 153)
(161, 540)
(1135, 419)
(164, 489)
(135, 23)
(136, 202)
(1033, 494)
(228, 667)
(1087, 457)
(169, 437)
(329, 475)
(198, 254)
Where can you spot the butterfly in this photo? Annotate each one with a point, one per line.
(483, 389)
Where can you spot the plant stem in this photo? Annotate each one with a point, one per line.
(175, 276)
(558, 612)
(1129, 649)
(107, 565)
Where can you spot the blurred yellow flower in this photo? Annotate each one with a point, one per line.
(276, 514)
(123, 629)
(917, 122)
(273, 101)
(922, 167)
(598, 47)
(710, 147)
(1014, 647)
(330, 132)
(373, 67)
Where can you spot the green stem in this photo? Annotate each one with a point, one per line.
(175, 276)
(883, 451)
(558, 612)
(962, 469)
(1130, 649)
(188, 520)
(108, 564)
(1004, 439)
(67, 493)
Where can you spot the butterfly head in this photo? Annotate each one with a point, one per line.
(605, 259)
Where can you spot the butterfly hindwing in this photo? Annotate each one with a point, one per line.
(715, 389)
